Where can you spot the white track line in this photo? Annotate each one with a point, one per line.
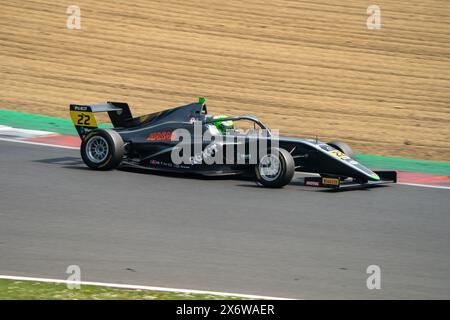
(25, 131)
(423, 185)
(76, 148)
(39, 143)
(136, 287)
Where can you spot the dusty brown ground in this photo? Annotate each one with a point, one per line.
(306, 67)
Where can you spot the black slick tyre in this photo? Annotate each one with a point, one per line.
(102, 149)
(275, 169)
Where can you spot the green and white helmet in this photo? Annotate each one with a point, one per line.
(223, 126)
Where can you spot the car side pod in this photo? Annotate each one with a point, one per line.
(335, 183)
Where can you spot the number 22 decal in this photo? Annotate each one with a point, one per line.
(83, 119)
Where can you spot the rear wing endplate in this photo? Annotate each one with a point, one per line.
(84, 121)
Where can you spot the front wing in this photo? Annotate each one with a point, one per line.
(338, 184)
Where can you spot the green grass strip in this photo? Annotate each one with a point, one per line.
(405, 164)
(32, 290)
(65, 126)
(38, 122)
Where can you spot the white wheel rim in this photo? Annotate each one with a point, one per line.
(269, 167)
(97, 149)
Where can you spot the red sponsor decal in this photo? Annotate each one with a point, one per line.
(160, 136)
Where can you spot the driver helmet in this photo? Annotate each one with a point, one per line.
(223, 126)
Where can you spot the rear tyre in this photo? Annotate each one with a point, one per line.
(275, 170)
(342, 147)
(102, 149)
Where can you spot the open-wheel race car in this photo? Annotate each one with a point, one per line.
(189, 139)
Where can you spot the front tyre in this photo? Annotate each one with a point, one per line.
(276, 169)
(102, 149)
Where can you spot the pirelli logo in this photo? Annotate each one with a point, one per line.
(331, 181)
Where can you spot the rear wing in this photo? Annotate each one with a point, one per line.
(84, 121)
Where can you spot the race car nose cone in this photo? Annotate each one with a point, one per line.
(375, 177)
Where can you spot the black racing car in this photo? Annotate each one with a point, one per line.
(188, 139)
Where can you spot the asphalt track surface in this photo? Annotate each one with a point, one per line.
(221, 235)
